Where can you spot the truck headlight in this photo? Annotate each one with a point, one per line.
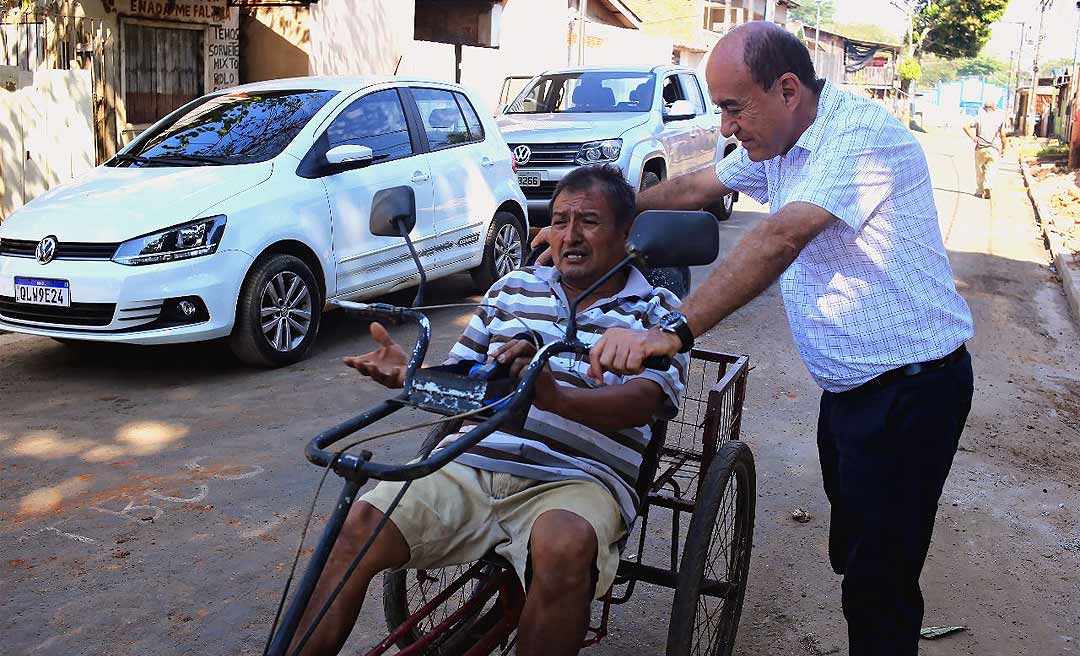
(179, 243)
(596, 152)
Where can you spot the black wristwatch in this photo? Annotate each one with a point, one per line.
(675, 324)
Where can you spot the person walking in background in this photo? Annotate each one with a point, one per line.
(988, 133)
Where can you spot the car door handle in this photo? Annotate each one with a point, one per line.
(487, 161)
(418, 177)
(712, 129)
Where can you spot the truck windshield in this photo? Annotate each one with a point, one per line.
(232, 128)
(588, 92)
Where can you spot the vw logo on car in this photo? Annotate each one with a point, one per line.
(522, 154)
(46, 250)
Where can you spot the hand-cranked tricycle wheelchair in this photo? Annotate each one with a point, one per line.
(695, 464)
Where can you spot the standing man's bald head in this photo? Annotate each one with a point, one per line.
(762, 78)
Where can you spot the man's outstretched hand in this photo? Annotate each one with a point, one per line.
(543, 238)
(624, 351)
(385, 365)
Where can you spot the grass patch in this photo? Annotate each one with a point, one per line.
(1058, 150)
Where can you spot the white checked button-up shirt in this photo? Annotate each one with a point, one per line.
(874, 290)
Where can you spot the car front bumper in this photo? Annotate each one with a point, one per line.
(112, 302)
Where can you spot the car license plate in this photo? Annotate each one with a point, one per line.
(529, 179)
(39, 291)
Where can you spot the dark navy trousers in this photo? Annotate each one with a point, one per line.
(885, 453)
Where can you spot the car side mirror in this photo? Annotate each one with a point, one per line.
(391, 207)
(349, 156)
(679, 110)
(665, 238)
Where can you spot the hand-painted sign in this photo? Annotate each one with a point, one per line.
(191, 11)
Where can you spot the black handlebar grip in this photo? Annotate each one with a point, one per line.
(658, 362)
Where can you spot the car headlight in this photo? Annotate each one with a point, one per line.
(179, 243)
(596, 152)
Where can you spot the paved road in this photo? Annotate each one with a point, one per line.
(151, 498)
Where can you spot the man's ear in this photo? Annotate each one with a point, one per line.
(790, 89)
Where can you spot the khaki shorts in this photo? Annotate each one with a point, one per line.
(459, 513)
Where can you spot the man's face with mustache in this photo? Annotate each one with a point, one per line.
(586, 240)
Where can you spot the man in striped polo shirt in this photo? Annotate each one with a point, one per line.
(556, 498)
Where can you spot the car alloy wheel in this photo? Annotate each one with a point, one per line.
(285, 311)
(508, 250)
(504, 250)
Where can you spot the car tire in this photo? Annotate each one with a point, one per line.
(282, 288)
(648, 179)
(504, 250)
(722, 210)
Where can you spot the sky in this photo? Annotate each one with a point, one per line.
(1059, 25)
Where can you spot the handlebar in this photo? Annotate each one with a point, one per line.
(360, 467)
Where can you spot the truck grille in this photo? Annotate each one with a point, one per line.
(79, 314)
(548, 154)
(70, 250)
(543, 192)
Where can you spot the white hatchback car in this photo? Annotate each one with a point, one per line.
(243, 212)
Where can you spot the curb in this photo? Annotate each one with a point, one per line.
(1062, 256)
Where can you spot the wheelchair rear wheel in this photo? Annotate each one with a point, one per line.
(716, 557)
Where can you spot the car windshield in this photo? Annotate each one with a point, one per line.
(232, 128)
(589, 92)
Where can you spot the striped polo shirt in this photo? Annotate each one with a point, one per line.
(551, 447)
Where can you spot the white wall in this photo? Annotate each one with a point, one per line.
(425, 59)
(606, 45)
(359, 37)
(367, 37)
(46, 134)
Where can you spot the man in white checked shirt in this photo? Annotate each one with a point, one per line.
(854, 240)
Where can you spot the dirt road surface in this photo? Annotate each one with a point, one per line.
(151, 499)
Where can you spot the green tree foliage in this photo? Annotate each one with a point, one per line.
(954, 28)
(806, 13)
(938, 69)
(1062, 63)
(910, 70)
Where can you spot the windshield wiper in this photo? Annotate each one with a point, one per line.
(123, 157)
(173, 159)
(181, 158)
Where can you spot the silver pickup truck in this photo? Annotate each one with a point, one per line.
(652, 122)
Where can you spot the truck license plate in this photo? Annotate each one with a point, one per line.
(40, 291)
(529, 179)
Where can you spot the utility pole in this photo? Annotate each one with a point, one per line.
(1072, 82)
(1076, 42)
(1033, 94)
(817, 37)
(908, 7)
(581, 31)
(1014, 85)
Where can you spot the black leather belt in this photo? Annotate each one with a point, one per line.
(909, 370)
